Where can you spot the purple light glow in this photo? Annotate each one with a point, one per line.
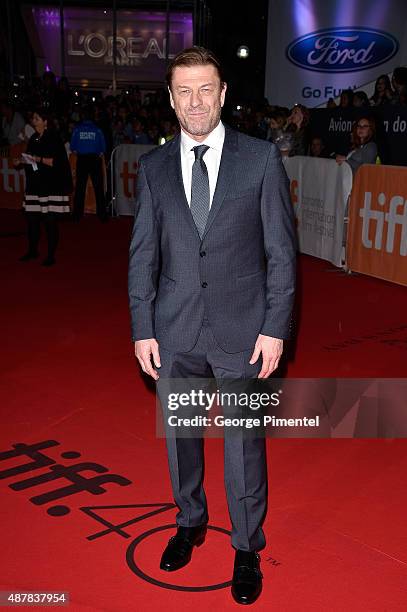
(346, 14)
(46, 17)
(89, 41)
(304, 16)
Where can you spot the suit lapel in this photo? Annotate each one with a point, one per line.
(226, 172)
(174, 171)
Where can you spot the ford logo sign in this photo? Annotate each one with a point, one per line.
(342, 49)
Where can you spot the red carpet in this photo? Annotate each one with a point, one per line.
(336, 528)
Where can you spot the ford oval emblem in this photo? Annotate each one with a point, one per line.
(342, 49)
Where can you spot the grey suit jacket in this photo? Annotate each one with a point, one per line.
(241, 276)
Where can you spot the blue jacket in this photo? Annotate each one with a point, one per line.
(88, 138)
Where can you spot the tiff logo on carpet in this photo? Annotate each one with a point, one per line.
(72, 476)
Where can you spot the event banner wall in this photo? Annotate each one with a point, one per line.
(377, 232)
(334, 126)
(319, 192)
(141, 43)
(317, 48)
(125, 164)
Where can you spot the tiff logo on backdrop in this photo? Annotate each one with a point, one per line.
(396, 215)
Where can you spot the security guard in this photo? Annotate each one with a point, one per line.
(88, 142)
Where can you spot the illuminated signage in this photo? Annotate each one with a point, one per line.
(342, 49)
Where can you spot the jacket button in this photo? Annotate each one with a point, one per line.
(203, 253)
(204, 285)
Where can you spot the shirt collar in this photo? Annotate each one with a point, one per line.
(214, 140)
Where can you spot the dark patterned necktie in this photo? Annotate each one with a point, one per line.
(200, 189)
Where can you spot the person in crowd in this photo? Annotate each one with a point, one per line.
(399, 82)
(383, 93)
(278, 119)
(168, 130)
(260, 127)
(119, 133)
(364, 149)
(402, 97)
(28, 130)
(331, 103)
(135, 132)
(153, 133)
(297, 124)
(317, 148)
(48, 185)
(88, 142)
(346, 99)
(12, 124)
(360, 99)
(123, 113)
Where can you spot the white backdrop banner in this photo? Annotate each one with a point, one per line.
(319, 193)
(317, 48)
(124, 162)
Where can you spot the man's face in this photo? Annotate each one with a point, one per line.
(197, 97)
(316, 147)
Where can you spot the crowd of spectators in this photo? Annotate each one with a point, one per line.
(291, 130)
(137, 117)
(129, 117)
(145, 117)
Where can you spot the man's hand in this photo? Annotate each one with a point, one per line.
(340, 159)
(271, 350)
(143, 349)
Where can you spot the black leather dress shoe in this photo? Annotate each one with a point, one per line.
(179, 548)
(247, 577)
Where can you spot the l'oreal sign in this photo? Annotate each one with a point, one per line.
(342, 49)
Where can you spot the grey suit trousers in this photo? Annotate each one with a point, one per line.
(245, 467)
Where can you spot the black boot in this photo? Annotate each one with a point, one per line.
(179, 549)
(247, 577)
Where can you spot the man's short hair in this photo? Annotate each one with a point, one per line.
(194, 56)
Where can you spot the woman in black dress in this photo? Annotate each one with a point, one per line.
(48, 185)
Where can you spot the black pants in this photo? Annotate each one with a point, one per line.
(89, 165)
(34, 231)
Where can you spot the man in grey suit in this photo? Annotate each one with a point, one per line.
(211, 289)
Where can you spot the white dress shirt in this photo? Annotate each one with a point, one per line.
(211, 158)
